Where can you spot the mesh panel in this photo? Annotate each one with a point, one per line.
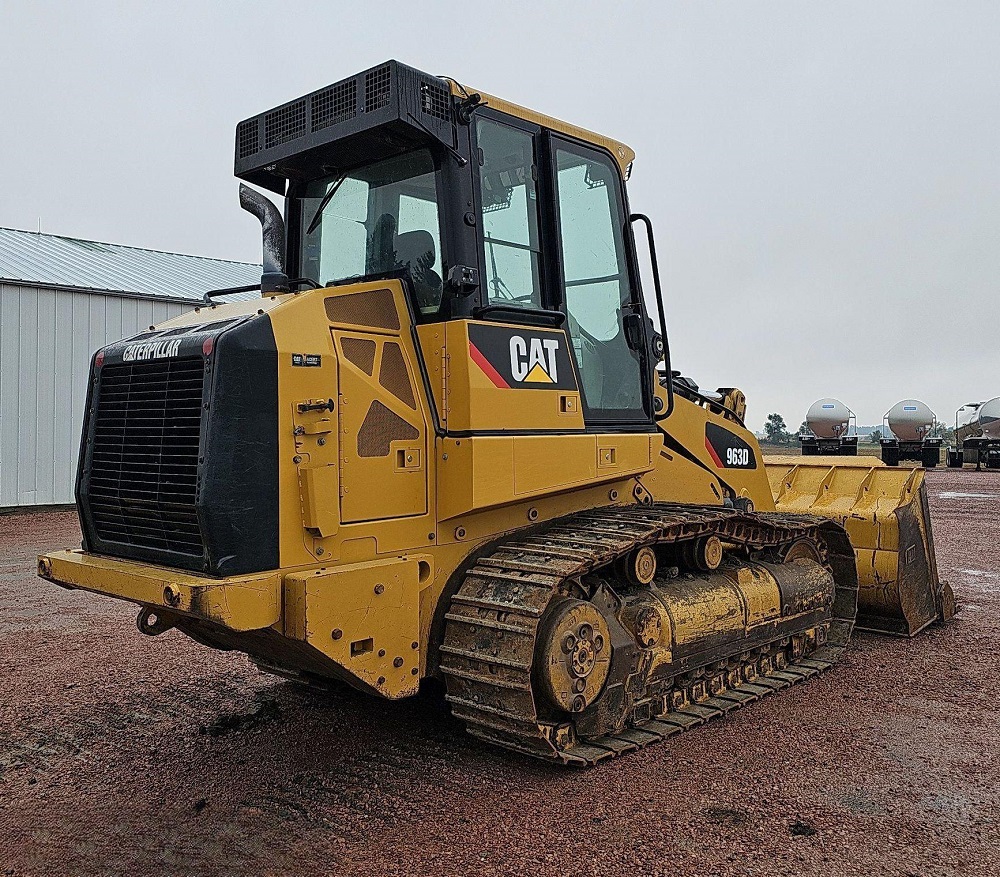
(380, 429)
(360, 351)
(377, 88)
(334, 104)
(392, 374)
(285, 123)
(374, 308)
(247, 138)
(435, 101)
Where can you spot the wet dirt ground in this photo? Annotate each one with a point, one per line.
(122, 754)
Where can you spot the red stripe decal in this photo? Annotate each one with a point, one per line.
(715, 456)
(488, 370)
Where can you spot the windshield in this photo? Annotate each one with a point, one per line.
(375, 219)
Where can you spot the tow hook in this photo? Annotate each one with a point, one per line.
(152, 622)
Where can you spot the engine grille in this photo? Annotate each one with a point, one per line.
(143, 476)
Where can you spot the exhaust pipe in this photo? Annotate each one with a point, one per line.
(272, 225)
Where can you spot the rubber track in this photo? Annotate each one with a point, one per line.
(493, 619)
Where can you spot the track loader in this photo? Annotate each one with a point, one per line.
(446, 441)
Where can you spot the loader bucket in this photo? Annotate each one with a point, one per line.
(884, 510)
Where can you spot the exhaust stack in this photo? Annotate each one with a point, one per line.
(272, 225)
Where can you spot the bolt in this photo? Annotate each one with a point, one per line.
(414, 645)
(296, 459)
(380, 588)
(532, 514)
(413, 672)
(321, 441)
(337, 633)
(397, 662)
(380, 680)
(381, 653)
(460, 532)
(319, 549)
(612, 495)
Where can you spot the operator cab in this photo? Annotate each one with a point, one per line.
(488, 212)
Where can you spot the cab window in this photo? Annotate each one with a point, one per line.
(375, 219)
(597, 292)
(511, 248)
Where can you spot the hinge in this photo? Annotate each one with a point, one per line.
(445, 368)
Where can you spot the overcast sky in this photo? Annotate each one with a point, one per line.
(824, 178)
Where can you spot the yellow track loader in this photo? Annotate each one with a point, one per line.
(446, 441)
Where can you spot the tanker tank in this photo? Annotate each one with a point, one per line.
(829, 421)
(988, 418)
(977, 435)
(910, 424)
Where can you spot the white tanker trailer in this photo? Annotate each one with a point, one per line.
(910, 424)
(829, 421)
(977, 435)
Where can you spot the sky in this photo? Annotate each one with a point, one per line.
(823, 178)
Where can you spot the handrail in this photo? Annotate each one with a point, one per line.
(645, 220)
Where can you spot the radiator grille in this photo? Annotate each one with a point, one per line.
(143, 475)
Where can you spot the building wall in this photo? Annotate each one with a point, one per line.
(47, 338)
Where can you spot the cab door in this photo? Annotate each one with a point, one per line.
(599, 297)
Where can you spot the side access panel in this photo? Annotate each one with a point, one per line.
(383, 433)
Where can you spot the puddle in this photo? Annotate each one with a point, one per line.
(979, 580)
(980, 573)
(957, 494)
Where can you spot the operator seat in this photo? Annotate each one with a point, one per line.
(415, 251)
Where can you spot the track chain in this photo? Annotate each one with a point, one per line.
(493, 621)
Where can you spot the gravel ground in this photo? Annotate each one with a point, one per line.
(121, 754)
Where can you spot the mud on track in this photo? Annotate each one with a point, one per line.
(121, 754)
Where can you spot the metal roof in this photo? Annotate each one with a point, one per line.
(50, 260)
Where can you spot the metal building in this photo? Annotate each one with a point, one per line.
(60, 300)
